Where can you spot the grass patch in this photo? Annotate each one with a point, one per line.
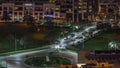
(100, 42)
(47, 61)
(8, 34)
(72, 50)
(2, 67)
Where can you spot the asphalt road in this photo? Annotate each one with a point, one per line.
(17, 61)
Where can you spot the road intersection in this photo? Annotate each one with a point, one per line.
(17, 60)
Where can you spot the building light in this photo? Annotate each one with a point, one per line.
(90, 6)
(80, 65)
(79, 7)
(15, 8)
(57, 9)
(80, 3)
(69, 10)
(29, 4)
(90, 10)
(84, 10)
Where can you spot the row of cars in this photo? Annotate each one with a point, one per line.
(76, 38)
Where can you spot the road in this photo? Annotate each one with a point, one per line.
(17, 61)
(77, 37)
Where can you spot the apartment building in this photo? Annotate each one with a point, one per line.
(62, 11)
(39, 9)
(109, 9)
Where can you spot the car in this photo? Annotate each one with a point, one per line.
(97, 32)
(57, 42)
(84, 37)
(72, 34)
(78, 40)
(89, 29)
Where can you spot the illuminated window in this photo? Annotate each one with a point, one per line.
(79, 7)
(84, 10)
(90, 10)
(90, 6)
(80, 3)
(69, 10)
(85, 2)
(84, 6)
(57, 9)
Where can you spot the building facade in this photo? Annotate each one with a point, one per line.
(109, 9)
(102, 56)
(87, 9)
(62, 10)
(98, 65)
(38, 9)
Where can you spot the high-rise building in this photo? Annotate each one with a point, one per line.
(77, 10)
(87, 9)
(109, 9)
(62, 11)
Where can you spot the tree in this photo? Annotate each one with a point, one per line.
(30, 22)
(6, 16)
(29, 19)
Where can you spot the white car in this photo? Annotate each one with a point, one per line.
(78, 41)
(89, 29)
(96, 32)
